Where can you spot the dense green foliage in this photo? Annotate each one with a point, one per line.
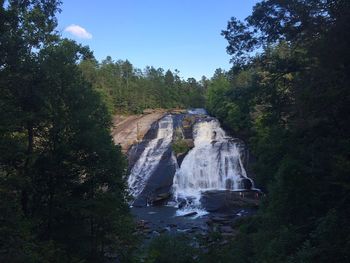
(180, 146)
(130, 90)
(168, 248)
(291, 101)
(62, 196)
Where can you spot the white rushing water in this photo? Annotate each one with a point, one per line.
(151, 156)
(197, 111)
(213, 164)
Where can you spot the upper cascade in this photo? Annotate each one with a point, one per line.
(197, 111)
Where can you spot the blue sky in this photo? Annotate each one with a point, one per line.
(172, 34)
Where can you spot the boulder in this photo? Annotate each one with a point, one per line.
(190, 214)
(180, 157)
(226, 229)
(246, 184)
(226, 201)
(140, 202)
(160, 198)
(148, 111)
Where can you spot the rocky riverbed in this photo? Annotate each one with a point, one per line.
(220, 210)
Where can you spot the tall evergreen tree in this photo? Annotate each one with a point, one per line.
(61, 178)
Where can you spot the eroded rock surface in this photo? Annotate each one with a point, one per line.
(130, 129)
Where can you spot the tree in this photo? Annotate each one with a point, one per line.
(288, 87)
(61, 178)
(90, 182)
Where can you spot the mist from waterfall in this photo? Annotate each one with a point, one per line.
(151, 156)
(213, 164)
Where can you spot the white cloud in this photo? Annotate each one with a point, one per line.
(78, 31)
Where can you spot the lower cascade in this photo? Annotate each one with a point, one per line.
(213, 164)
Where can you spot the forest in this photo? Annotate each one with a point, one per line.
(126, 89)
(63, 192)
(290, 101)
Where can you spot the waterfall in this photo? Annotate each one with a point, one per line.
(213, 164)
(151, 156)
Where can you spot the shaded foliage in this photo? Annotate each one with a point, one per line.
(62, 190)
(169, 248)
(291, 102)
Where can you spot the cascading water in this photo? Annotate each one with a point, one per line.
(213, 164)
(151, 156)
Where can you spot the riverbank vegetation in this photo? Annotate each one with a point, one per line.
(62, 192)
(290, 101)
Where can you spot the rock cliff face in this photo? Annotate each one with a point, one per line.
(130, 129)
(152, 164)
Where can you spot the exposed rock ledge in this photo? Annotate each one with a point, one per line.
(130, 129)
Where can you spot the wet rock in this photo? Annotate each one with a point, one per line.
(190, 214)
(181, 147)
(226, 229)
(161, 198)
(180, 157)
(242, 213)
(187, 126)
(182, 203)
(246, 184)
(140, 202)
(226, 201)
(135, 152)
(159, 183)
